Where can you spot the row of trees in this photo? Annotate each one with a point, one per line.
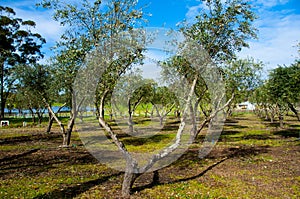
(280, 93)
(221, 31)
(92, 41)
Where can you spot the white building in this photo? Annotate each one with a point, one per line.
(245, 106)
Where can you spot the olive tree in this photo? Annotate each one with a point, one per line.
(130, 92)
(222, 29)
(283, 90)
(88, 24)
(242, 77)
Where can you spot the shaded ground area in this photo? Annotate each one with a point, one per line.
(253, 159)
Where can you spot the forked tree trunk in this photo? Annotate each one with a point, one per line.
(51, 118)
(66, 134)
(130, 176)
(162, 115)
(129, 179)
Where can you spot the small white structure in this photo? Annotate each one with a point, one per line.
(4, 123)
(245, 106)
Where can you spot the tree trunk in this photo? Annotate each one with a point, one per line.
(130, 124)
(152, 112)
(129, 179)
(62, 127)
(155, 179)
(266, 114)
(280, 120)
(101, 107)
(272, 118)
(97, 111)
(146, 112)
(130, 112)
(69, 130)
(51, 120)
(2, 104)
(32, 115)
(40, 118)
(131, 166)
(161, 120)
(73, 115)
(193, 117)
(293, 109)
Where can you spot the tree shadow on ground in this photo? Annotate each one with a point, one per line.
(35, 161)
(141, 141)
(274, 124)
(236, 126)
(226, 136)
(257, 137)
(30, 138)
(295, 126)
(16, 156)
(73, 191)
(225, 155)
(230, 121)
(230, 132)
(288, 133)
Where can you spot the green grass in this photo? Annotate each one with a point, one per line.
(262, 160)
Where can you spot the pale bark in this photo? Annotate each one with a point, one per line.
(51, 118)
(60, 124)
(162, 114)
(66, 133)
(131, 110)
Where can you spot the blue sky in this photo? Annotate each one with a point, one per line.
(278, 25)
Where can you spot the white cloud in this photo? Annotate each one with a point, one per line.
(192, 12)
(278, 33)
(45, 25)
(270, 3)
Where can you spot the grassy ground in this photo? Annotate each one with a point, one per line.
(253, 159)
